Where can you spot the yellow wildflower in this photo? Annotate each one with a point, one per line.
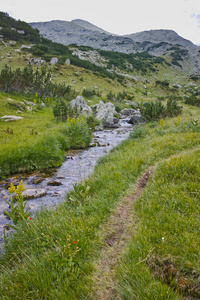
(36, 94)
(161, 122)
(11, 189)
(20, 188)
(73, 121)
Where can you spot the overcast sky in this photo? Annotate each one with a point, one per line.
(116, 16)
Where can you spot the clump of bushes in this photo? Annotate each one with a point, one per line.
(157, 110)
(119, 97)
(78, 133)
(192, 100)
(90, 93)
(32, 81)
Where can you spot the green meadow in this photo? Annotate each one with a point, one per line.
(53, 255)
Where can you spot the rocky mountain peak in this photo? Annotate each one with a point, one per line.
(158, 36)
(88, 25)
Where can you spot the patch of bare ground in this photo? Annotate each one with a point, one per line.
(116, 233)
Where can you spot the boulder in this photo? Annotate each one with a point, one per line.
(54, 61)
(34, 193)
(67, 62)
(127, 112)
(80, 106)
(136, 119)
(106, 113)
(11, 118)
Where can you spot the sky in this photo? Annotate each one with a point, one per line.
(115, 16)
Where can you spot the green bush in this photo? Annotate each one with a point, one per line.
(157, 110)
(78, 133)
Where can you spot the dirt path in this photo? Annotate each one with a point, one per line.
(115, 235)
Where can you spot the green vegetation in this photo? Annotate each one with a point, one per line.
(53, 254)
(42, 260)
(156, 110)
(193, 100)
(142, 62)
(37, 141)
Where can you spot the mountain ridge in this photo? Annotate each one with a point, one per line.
(156, 42)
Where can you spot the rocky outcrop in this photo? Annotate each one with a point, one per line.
(136, 119)
(132, 116)
(54, 61)
(106, 113)
(79, 105)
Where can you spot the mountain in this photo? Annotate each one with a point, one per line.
(88, 25)
(183, 53)
(158, 36)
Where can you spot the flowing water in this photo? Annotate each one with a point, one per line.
(78, 164)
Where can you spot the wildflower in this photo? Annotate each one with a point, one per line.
(36, 94)
(161, 122)
(73, 121)
(20, 188)
(74, 242)
(11, 189)
(30, 219)
(34, 101)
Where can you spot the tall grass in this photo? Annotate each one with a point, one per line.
(37, 141)
(39, 263)
(165, 247)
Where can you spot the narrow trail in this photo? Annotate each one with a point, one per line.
(115, 234)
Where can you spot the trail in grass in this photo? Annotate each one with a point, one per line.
(115, 235)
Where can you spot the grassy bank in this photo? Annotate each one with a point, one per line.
(37, 141)
(52, 255)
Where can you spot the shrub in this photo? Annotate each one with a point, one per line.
(78, 133)
(156, 110)
(92, 121)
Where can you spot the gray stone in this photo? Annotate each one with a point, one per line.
(67, 62)
(136, 119)
(106, 114)
(127, 112)
(177, 86)
(80, 106)
(54, 61)
(11, 118)
(34, 193)
(29, 103)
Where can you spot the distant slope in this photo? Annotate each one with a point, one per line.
(158, 36)
(89, 26)
(183, 53)
(68, 33)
